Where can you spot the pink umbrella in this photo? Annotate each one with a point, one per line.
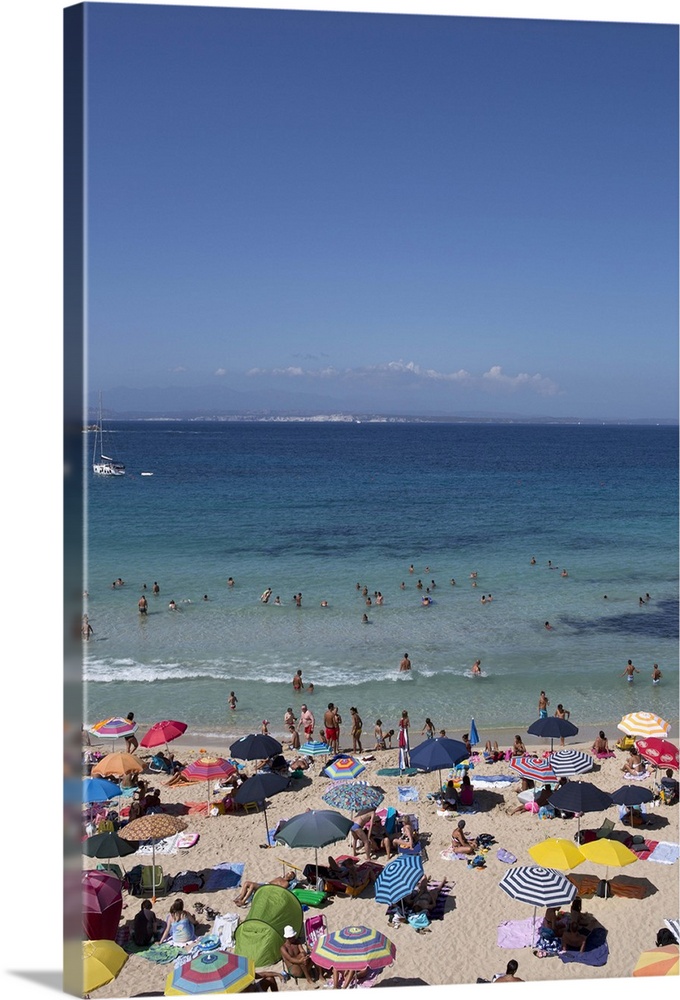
(207, 769)
(163, 732)
(102, 905)
(662, 753)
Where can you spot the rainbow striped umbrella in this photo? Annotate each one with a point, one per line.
(112, 729)
(355, 947)
(211, 972)
(662, 753)
(536, 768)
(644, 724)
(345, 766)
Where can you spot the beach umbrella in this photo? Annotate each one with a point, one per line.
(632, 795)
(314, 748)
(644, 724)
(99, 790)
(658, 961)
(538, 886)
(102, 904)
(355, 796)
(163, 732)
(536, 768)
(257, 788)
(441, 752)
(555, 852)
(102, 962)
(117, 765)
(343, 767)
(255, 746)
(610, 853)
(673, 925)
(108, 845)
(398, 878)
(153, 827)
(552, 728)
(112, 729)
(662, 753)
(567, 762)
(474, 735)
(208, 769)
(356, 947)
(211, 972)
(316, 828)
(580, 797)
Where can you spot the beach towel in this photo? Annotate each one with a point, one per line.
(196, 808)
(596, 951)
(635, 777)
(438, 912)
(665, 853)
(505, 856)
(162, 953)
(519, 933)
(605, 754)
(644, 850)
(166, 846)
(188, 881)
(226, 875)
(493, 780)
(450, 855)
(394, 772)
(407, 793)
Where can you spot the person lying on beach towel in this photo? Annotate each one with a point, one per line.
(248, 887)
(424, 899)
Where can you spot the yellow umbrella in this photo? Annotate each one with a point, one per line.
(555, 852)
(608, 852)
(658, 962)
(102, 961)
(117, 764)
(643, 724)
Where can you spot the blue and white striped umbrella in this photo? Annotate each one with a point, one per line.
(314, 749)
(565, 762)
(398, 878)
(538, 886)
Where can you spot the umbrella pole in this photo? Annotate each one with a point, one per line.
(266, 828)
(153, 869)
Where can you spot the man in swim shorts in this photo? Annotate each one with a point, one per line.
(656, 674)
(307, 720)
(629, 671)
(330, 726)
(543, 703)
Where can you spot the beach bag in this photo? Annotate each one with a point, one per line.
(419, 920)
(664, 937)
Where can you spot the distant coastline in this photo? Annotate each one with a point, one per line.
(376, 418)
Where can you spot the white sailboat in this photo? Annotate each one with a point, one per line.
(103, 465)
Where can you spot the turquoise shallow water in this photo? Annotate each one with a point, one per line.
(318, 508)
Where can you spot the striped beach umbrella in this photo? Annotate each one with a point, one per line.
(538, 886)
(658, 962)
(314, 748)
(208, 769)
(398, 878)
(354, 796)
(536, 768)
(345, 767)
(662, 753)
(111, 729)
(644, 724)
(566, 762)
(356, 947)
(211, 972)
(163, 732)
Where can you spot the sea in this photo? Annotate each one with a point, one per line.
(325, 509)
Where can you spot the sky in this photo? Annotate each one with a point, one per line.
(391, 212)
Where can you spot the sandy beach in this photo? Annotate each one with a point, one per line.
(464, 945)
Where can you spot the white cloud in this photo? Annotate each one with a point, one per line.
(221, 371)
(178, 370)
(494, 380)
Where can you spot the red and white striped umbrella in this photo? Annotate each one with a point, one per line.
(536, 768)
(662, 753)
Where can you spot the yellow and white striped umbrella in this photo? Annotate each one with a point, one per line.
(644, 724)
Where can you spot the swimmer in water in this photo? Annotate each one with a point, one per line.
(656, 674)
(477, 667)
(629, 670)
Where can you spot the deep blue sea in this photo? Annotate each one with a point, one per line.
(320, 508)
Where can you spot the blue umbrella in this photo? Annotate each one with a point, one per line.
(314, 748)
(433, 755)
(474, 735)
(398, 878)
(255, 746)
(551, 727)
(99, 790)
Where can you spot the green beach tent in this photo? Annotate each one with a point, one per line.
(277, 907)
(258, 941)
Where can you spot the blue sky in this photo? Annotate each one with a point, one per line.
(434, 214)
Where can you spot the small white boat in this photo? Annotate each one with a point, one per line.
(103, 465)
(146, 473)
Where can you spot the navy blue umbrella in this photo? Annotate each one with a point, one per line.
(580, 797)
(632, 795)
(552, 727)
(398, 878)
(256, 746)
(433, 755)
(257, 788)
